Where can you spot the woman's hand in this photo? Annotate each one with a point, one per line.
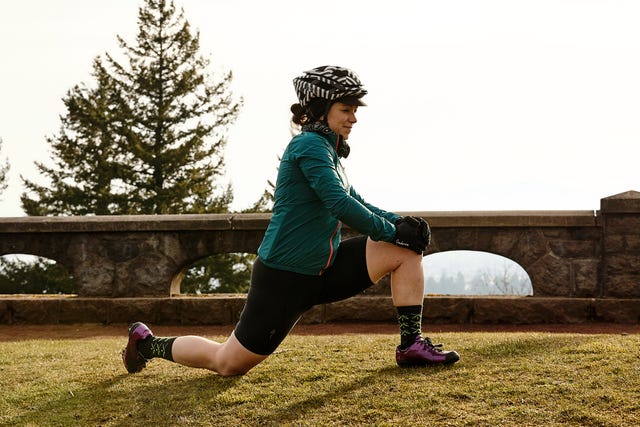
(412, 233)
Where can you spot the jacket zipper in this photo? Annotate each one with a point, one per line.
(331, 248)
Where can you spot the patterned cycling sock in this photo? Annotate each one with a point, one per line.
(156, 347)
(410, 319)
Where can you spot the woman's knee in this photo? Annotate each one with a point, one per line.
(383, 258)
(234, 359)
(231, 370)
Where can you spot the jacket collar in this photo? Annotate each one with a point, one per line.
(337, 142)
(321, 128)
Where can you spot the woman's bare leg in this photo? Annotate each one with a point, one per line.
(227, 359)
(407, 293)
(405, 266)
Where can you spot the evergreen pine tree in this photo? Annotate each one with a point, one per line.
(147, 138)
(178, 116)
(86, 154)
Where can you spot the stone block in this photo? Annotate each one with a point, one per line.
(573, 248)
(83, 310)
(444, 239)
(446, 310)
(205, 311)
(617, 310)
(6, 310)
(148, 274)
(237, 304)
(531, 247)
(167, 311)
(528, 310)
(622, 224)
(622, 275)
(622, 286)
(35, 310)
(169, 245)
(557, 233)
(375, 309)
(585, 278)
(622, 263)
(618, 243)
(632, 243)
(614, 244)
(129, 310)
(503, 238)
(550, 276)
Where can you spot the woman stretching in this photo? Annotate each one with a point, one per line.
(302, 261)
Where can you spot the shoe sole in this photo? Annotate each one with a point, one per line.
(139, 363)
(453, 359)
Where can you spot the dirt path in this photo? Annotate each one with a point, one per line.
(26, 332)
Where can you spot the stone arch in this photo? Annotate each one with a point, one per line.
(34, 274)
(564, 253)
(527, 246)
(500, 275)
(178, 285)
(52, 248)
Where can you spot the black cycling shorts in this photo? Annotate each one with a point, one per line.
(277, 298)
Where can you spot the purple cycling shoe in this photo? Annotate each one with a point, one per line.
(132, 359)
(423, 352)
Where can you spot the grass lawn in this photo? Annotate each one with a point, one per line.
(503, 378)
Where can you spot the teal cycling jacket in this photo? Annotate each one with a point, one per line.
(313, 199)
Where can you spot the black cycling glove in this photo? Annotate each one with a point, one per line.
(412, 233)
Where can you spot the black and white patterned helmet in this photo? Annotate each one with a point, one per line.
(328, 82)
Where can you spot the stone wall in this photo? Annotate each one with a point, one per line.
(225, 310)
(589, 258)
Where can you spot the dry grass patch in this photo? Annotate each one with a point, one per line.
(512, 379)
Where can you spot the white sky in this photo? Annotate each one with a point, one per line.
(473, 105)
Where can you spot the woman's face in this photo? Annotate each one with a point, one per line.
(341, 118)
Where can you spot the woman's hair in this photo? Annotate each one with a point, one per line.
(315, 111)
(300, 116)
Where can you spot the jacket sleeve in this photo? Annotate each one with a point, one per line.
(315, 158)
(390, 216)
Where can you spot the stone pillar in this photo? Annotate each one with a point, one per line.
(620, 216)
(125, 264)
